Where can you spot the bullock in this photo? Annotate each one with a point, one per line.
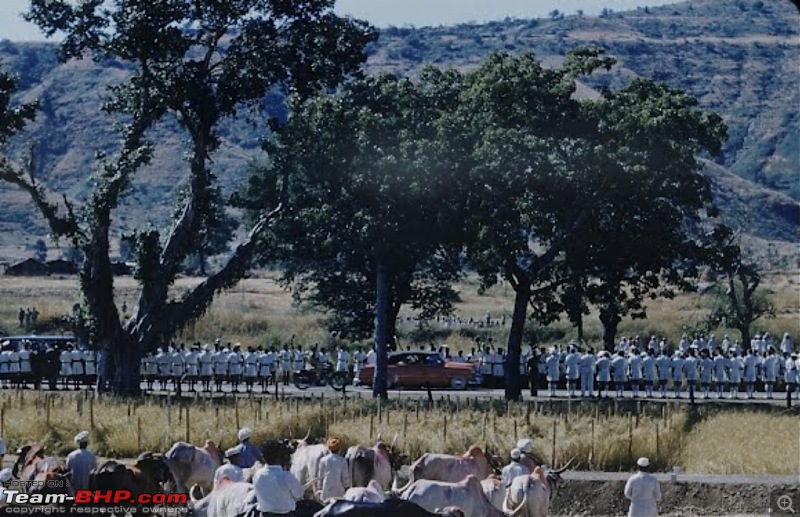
(229, 499)
(238, 498)
(375, 463)
(466, 494)
(372, 493)
(33, 465)
(388, 508)
(532, 493)
(305, 461)
(449, 468)
(151, 473)
(189, 464)
(494, 490)
(148, 475)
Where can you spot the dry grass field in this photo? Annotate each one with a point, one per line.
(597, 437)
(259, 312)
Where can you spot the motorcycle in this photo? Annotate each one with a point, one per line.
(304, 379)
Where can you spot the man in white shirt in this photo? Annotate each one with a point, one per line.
(81, 462)
(644, 491)
(514, 469)
(206, 360)
(333, 476)
(587, 373)
(235, 367)
(572, 365)
(220, 366)
(619, 365)
(277, 491)
(192, 360)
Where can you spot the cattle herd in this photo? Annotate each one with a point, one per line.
(468, 485)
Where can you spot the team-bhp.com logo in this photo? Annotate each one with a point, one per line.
(121, 500)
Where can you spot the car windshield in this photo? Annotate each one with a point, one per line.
(433, 359)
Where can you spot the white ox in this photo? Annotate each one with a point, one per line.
(192, 465)
(450, 468)
(466, 494)
(230, 498)
(372, 493)
(531, 494)
(305, 462)
(494, 490)
(370, 464)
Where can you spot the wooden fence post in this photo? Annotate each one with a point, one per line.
(139, 434)
(553, 450)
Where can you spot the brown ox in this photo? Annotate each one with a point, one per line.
(51, 474)
(450, 468)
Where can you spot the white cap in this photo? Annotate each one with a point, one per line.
(232, 472)
(82, 437)
(5, 475)
(525, 445)
(2, 446)
(516, 454)
(643, 462)
(244, 433)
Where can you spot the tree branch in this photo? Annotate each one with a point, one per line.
(178, 314)
(60, 226)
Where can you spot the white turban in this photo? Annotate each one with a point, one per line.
(82, 437)
(643, 462)
(516, 454)
(525, 445)
(244, 433)
(232, 472)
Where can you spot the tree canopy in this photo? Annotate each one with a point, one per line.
(196, 62)
(375, 202)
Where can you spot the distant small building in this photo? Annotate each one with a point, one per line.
(62, 267)
(28, 267)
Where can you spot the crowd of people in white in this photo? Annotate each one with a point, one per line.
(704, 366)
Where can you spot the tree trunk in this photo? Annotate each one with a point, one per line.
(609, 317)
(124, 367)
(521, 299)
(383, 327)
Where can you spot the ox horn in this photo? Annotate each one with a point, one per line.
(308, 434)
(378, 438)
(196, 493)
(565, 467)
(394, 440)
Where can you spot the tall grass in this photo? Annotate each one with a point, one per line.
(601, 437)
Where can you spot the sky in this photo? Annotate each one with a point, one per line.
(400, 13)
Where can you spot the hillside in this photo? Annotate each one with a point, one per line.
(739, 58)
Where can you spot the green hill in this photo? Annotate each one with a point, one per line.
(739, 58)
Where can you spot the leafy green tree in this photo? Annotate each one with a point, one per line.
(535, 177)
(638, 241)
(739, 302)
(196, 62)
(374, 196)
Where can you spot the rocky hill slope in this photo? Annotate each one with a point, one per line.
(738, 57)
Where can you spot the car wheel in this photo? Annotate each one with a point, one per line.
(458, 383)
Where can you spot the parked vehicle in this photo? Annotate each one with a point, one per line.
(424, 369)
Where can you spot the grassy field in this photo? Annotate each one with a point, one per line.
(599, 437)
(259, 312)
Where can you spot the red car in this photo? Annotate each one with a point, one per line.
(422, 369)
